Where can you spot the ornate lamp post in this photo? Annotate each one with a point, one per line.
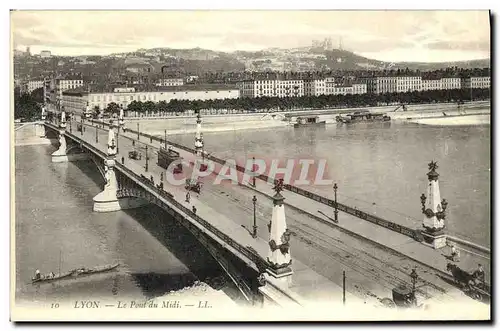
(336, 211)
(423, 198)
(138, 135)
(414, 278)
(146, 157)
(96, 135)
(254, 233)
(253, 169)
(117, 138)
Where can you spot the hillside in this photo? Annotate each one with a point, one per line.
(199, 61)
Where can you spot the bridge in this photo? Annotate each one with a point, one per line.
(127, 187)
(260, 270)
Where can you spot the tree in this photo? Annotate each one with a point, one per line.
(38, 95)
(25, 107)
(112, 108)
(136, 106)
(149, 107)
(96, 112)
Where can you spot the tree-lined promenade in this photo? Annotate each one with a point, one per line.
(304, 102)
(28, 106)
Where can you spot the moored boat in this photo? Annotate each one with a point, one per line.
(308, 121)
(50, 277)
(363, 116)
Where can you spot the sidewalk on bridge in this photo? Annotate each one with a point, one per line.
(434, 258)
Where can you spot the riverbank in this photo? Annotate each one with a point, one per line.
(235, 122)
(454, 120)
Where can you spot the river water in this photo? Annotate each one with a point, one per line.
(56, 229)
(381, 167)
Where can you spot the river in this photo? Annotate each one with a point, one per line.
(56, 229)
(381, 167)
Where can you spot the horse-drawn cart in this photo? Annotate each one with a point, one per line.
(191, 185)
(472, 286)
(134, 155)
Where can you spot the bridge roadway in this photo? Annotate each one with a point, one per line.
(320, 249)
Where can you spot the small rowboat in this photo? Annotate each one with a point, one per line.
(74, 273)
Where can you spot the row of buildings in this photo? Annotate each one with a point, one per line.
(378, 85)
(76, 100)
(336, 86)
(74, 94)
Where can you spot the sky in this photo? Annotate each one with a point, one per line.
(395, 36)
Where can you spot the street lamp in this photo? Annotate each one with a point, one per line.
(254, 233)
(336, 211)
(253, 170)
(117, 138)
(138, 136)
(96, 135)
(146, 158)
(414, 277)
(423, 198)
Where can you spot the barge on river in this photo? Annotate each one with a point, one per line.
(363, 116)
(308, 121)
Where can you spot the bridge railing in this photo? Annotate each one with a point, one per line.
(251, 254)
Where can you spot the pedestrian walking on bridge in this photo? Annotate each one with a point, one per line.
(455, 253)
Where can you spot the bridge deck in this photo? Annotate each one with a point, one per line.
(320, 251)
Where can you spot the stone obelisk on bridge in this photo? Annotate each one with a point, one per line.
(107, 200)
(434, 210)
(60, 154)
(44, 113)
(279, 257)
(198, 139)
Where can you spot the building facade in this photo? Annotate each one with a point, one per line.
(33, 85)
(314, 87)
(54, 88)
(408, 83)
(45, 54)
(170, 82)
(432, 84)
(271, 88)
(76, 100)
(451, 83)
(476, 82)
(385, 85)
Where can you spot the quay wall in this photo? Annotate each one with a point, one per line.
(185, 124)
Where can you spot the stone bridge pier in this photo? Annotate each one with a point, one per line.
(108, 200)
(67, 151)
